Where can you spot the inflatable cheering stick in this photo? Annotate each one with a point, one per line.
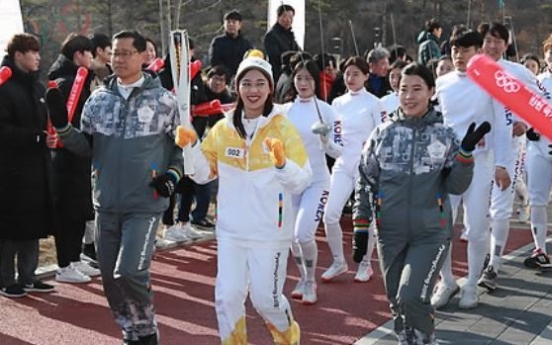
(512, 93)
(5, 74)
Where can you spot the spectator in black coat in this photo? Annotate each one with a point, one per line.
(280, 39)
(227, 49)
(26, 208)
(72, 188)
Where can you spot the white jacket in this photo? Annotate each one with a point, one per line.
(254, 198)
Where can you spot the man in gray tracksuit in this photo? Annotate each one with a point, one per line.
(128, 127)
(408, 168)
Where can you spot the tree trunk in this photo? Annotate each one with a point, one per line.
(384, 24)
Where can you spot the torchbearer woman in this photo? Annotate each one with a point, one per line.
(260, 161)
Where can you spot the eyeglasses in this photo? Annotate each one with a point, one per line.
(219, 79)
(124, 54)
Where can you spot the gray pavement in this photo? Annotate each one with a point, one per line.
(519, 312)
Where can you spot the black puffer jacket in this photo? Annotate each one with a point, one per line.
(25, 165)
(72, 189)
(277, 41)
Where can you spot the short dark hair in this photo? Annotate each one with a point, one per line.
(465, 38)
(400, 64)
(357, 61)
(219, 70)
(432, 24)
(99, 41)
(22, 43)
(75, 43)
(421, 71)
(495, 29)
(284, 8)
(233, 15)
(298, 57)
(324, 60)
(139, 42)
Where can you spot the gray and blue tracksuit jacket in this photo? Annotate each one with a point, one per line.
(408, 168)
(131, 141)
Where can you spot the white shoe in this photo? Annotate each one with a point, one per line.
(174, 234)
(364, 272)
(524, 213)
(469, 297)
(86, 269)
(463, 236)
(71, 274)
(443, 294)
(335, 270)
(189, 231)
(309, 294)
(297, 293)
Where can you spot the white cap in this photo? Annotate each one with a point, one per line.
(255, 63)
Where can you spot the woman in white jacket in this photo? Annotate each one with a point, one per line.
(318, 125)
(260, 161)
(360, 113)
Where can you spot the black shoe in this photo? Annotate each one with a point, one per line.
(149, 340)
(203, 223)
(537, 260)
(39, 286)
(131, 342)
(488, 278)
(13, 291)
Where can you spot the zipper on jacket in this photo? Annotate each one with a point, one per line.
(410, 178)
(125, 103)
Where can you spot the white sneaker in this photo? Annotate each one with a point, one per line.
(297, 293)
(463, 236)
(469, 297)
(524, 213)
(71, 274)
(335, 270)
(174, 234)
(364, 272)
(189, 231)
(309, 294)
(86, 269)
(443, 294)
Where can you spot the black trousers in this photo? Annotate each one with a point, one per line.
(27, 261)
(69, 241)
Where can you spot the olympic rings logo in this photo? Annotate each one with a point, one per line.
(505, 82)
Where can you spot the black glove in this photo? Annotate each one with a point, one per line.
(473, 136)
(57, 109)
(532, 135)
(360, 244)
(164, 184)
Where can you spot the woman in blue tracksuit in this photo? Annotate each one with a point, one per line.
(408, 193)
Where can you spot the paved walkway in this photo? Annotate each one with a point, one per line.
(519, 312)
